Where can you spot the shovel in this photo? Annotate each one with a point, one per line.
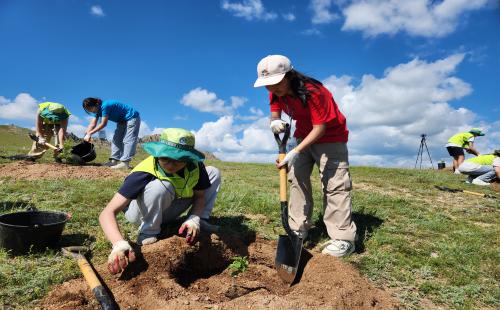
(100, 293)
(456, 190)
(289, 245)
(35, 138)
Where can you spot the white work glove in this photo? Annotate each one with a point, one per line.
(87, 137)
(278, 126)
(191, 227)
(120, 256)
(41, 140)
(289, 159)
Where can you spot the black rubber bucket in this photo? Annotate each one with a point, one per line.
(22, 232)
(441, 165)
(85, 151)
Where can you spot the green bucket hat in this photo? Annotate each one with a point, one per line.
(476, 131)
(175, 143)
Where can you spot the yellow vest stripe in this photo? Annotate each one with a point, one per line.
(183, 185)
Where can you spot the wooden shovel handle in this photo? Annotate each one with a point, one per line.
(474, 193)
(283, 196)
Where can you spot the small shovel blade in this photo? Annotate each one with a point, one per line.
(288, 257)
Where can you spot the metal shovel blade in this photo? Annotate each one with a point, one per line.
(288, 257)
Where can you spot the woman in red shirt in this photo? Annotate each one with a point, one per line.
(321, 134)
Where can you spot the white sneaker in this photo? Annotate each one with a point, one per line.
(338, 248)
(480, 182)
(469, 179)
(456, 171)
(111, 163)
(121, 165)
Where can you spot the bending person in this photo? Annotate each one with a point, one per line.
(128, 123)
(158, 190)
(51, 120)
(321, 136)
(460, 142)
(480, 169)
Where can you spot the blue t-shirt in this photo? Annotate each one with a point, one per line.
(117, 111)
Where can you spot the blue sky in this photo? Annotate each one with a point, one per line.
(396, 68)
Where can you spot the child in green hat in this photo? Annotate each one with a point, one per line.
(158, 190)
(51, 120)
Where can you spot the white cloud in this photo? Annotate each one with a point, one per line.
(248, 9)
(251, 142)
(387, 115)
(416, 17)
(311, 32)
(322, 13)
(289, 17)
(202, 100)
(77, 129)
(23, 107)
(97, 10)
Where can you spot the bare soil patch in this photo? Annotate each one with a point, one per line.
(49, 171)
(172, 275)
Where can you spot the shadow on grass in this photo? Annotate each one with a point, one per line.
(366, 224)
(76, 240)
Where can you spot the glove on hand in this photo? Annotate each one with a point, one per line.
(278, 126)
(41, 140)
(289, 159)
(87, 137)
(192, 227)
(120, 256)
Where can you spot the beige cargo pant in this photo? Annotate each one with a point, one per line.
(332, 161)
(47, 132)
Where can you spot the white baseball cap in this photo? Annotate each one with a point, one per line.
(272, 69)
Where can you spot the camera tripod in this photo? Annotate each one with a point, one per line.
(421, 152)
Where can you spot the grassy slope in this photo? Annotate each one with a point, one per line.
(420, 242)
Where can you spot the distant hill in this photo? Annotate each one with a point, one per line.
(14, 138)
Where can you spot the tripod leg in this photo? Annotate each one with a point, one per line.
(428, 153)
(418, 154)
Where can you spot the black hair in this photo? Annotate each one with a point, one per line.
(91, 102)
(298, 84)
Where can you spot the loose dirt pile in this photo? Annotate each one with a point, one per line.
(172, 275)
(38, 171)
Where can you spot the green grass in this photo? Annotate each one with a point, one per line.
(419, 242)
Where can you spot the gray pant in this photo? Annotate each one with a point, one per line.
(125, 139)
(332, 161)
(484, 173)
(158, 205)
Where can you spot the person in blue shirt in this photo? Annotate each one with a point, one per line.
(125, 138)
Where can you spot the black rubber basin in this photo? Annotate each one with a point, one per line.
(85, 151)
(22, 232)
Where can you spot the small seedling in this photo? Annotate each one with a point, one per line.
(239, 265)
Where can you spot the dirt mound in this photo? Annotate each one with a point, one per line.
(37, 171)
(172, 275)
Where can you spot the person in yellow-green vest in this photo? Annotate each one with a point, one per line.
(51, 120)
(480, 169)
(461, 141)
(158, 190)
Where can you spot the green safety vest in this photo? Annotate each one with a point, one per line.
(52, 112)
(461, 139)
(183, 185)
(485, 160)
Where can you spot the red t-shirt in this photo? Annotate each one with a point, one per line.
(321, 109)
